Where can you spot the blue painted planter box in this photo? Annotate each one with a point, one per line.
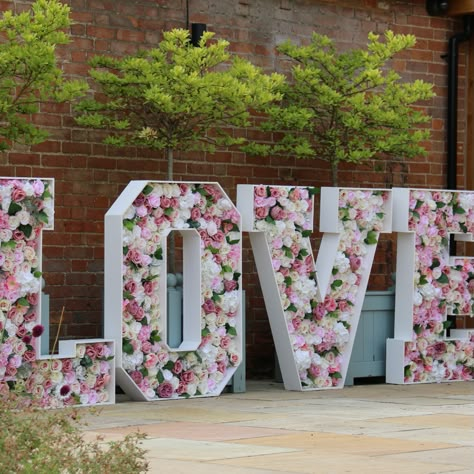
(375, 326)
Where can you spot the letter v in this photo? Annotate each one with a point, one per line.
(313, 325)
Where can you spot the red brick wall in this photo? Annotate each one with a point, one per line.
(89, 175)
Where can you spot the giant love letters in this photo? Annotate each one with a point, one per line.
(313, 325)
(137, 227)
(431, 285)
(313, 307)
(83, 370)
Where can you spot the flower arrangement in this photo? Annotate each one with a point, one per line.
(319, 330)
(440, 287)
(26, 207)
(157, 370)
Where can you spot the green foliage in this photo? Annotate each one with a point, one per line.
(176, 96)
(39, 441)
(349, 106)
(28, 71)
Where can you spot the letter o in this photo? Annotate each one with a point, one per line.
(136, 230)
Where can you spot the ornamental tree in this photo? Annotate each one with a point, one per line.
(347, 106)
(177, 97)
(29, 74)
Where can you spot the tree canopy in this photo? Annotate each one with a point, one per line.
(29, 74)
(347, 106)
(177, 97)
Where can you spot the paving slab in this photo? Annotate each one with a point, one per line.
(330, 443)
(308, 463)
(416, 429)
(185, 449)
(192, 431)
(165, 466)
(448, 456)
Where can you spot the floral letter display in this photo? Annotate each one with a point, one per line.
(136, 233)
(83, 371)
(313, 333)
(430, 286)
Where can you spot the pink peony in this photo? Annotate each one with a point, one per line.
(165, 390)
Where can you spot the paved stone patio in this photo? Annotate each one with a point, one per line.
(414, 429)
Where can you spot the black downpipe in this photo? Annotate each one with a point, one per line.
(452, 120)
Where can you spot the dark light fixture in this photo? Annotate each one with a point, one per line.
(197, 30)
(436, 7)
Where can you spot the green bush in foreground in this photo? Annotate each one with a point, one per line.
(41, 441)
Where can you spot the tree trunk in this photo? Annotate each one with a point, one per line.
(169, 157)
(334, 170)
(171, 251)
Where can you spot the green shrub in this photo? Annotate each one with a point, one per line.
(34, 440)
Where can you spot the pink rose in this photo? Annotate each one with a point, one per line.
(153, 200)
(275, 192)
(38, 188)
(187, 376)
(178, 367)
(139, 201)
(131, 286)
(102, 381)
(330, 304)
(225, 342)
(182, 388)
(343, 305)
(165, 202)
(91, 351)
(134, 256)
(218, 236)
(150, 361)
(261, 212)
(136, 376)
(165, 390)
(230, 285)
(102, 350)
(18, 195)
(195, 213)
(277, 213)
(209, 306)
(260, 191)
(355, 263)
(29, 356)
(146, 347)
(149, 287)
(33, 298)
(29, 317)
(183, 188)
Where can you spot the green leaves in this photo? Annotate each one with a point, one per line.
(13, 208)
(372, 237)
(127, 346)
(443, 279)
(171, 97)
(29, 74)
(348, 106)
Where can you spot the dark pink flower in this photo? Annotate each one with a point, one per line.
(187, 376)
(230, 285)
(65, 391)
(260, 191)
(37, 330)
(165, 390)
(178, 367)
(91, 351)
(18, 195)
